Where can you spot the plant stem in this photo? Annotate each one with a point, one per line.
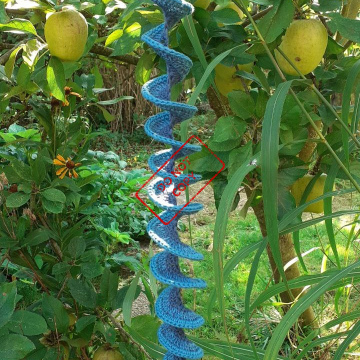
(321, 136)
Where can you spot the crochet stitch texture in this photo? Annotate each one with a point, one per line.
(165, 265)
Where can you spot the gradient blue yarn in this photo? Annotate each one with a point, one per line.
(165, 265)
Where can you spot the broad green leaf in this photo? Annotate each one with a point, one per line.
(147, 326)
(225, 16)
(277, 20)
(9, 66)
(238, 156)
(18, 26)
(108, 117)
(242, 104)
(17, 199)
(126, 39)
(27, 323)
(15, 347)
(348, 28)
(82, 292)
(54, 195)
(144, 68)
(31, 52)
(56, 78)
(76, 247)
(53, 207)
(36, 237)
(229, 128)
(55, 314)
(7, 302)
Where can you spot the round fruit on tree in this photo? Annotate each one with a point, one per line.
(298, 189)
(231, 6)
(226, 79)
(107, 353)
(66, 34)
(304, 43)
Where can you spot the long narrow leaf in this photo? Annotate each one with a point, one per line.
(299, 307)
(269, 171)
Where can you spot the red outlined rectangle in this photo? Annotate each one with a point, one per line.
(207, 183)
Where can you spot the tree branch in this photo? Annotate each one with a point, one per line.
(106, 51)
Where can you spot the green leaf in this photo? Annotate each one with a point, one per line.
(56, 78)
(15, 347)
(126, 39)
(115, 101)
(277, 20)
(9, 66)
(18, 26)
(17, 199)
(31, 52)
(109, 285)
(54, 195)
(129, 299)
(225, 16)
(36, 237)
(55, 313)
(144, 68)
(38, 170)
(76, 247)
(21, 169)
(7, 302)
(237, 157)
(52, 206)
(270, 166)
(83, 293)
(348, 28)
(242, 104)
(108, 117)
(229, 128)
(27, 323)
(327, 5)
(147, 326)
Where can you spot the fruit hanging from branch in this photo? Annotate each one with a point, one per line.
(226, 79)
(298, 189)
(107, 353)
(304, 43)
(66, 34)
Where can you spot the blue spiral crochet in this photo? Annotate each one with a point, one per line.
(165, 265)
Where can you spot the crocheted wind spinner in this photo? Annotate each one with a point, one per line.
(165, 265)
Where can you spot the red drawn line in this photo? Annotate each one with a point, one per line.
(207, 183)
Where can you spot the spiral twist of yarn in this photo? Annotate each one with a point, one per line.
(165, 265)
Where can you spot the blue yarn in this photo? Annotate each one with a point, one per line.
(165, 265)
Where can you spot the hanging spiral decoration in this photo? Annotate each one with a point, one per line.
(165, 265)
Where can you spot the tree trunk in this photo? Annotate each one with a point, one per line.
(288, 253)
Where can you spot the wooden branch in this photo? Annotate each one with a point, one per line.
(257, 16)
(106, 51)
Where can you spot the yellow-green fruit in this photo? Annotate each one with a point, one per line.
(225, 78)
(304, 43)
(204, 4)
(72, 319)
(66, 34)
(102, 353)
(232, 6)
(298, 188)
